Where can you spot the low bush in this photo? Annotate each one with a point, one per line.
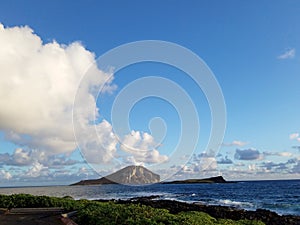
(110, 213)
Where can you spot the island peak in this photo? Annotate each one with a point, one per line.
(135, 175)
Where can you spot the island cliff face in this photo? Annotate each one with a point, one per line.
(128, 175)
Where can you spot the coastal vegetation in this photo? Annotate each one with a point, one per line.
(95, 212)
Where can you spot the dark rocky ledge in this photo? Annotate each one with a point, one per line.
(224, 212)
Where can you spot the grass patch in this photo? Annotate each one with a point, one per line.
(110, 213)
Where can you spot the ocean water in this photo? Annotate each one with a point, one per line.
(282, 197)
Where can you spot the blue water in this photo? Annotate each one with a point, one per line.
(282, 197)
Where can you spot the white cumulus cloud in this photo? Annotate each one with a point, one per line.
(100, 146)
(142, 148)
(5, 175)
(37, 170)
(38, 83)
(208, 164)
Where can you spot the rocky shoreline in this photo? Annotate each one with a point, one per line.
(223, 212)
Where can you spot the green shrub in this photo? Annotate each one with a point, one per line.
(110, 213)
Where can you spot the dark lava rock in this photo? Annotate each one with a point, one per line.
(223, 212)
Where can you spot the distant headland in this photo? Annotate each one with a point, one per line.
(218, 179)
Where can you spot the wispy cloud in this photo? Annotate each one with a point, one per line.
(288, 54)
(283, 154)
(294, 136)
(235, 143)
(296, 147)
(22, 157)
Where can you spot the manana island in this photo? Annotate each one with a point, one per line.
(28, 209)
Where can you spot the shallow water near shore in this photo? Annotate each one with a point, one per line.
(282, 196)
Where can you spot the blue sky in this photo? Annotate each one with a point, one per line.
(251, 47)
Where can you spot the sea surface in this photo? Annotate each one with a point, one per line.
(282, 197)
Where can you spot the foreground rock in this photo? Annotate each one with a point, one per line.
(32, 216)
(128, 175)
(223, 212)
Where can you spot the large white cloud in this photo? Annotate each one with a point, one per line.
(38, 83)
(142, 148)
